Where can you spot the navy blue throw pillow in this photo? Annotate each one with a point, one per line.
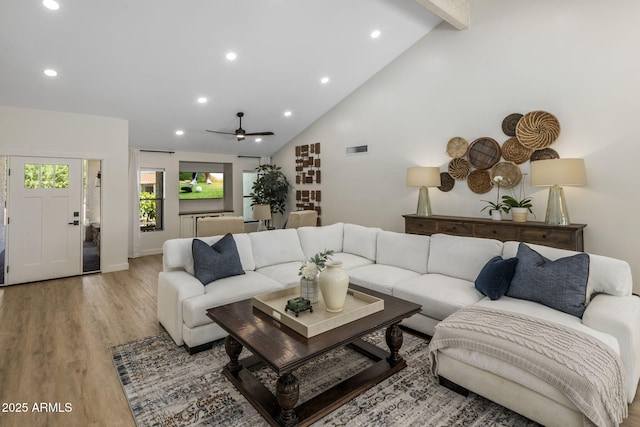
(559, 284)
(215, 262)
(495, 277)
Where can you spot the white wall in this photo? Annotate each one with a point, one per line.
(573, 58)
(26, 132)
(152, 241)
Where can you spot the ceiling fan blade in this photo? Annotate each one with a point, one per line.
(224, 133)
(259, 133)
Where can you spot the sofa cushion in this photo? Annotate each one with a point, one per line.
(276, 247)
(407, 251)
(495, 277)
(225, 291)
(316, 239)
(461, 257)
(379, 277)
(606, 275)
(559, 284)
(439, 295)
(217, 261)
(359, 240)
(177, 253)
(286, 273)
(350, 261)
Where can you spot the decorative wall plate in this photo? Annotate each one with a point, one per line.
(479, 181)
(457, 147)
(484, 153)
(537, 130)
(515, 152)
(509, 124)
(446, 182)
(459, 169)
(509, 171)
(544, 154)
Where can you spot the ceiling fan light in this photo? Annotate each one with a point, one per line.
(240, 137)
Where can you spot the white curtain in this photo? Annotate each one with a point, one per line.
(135, 247)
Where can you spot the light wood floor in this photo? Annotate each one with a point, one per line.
(55, 338)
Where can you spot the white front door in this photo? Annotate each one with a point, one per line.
(44, 239)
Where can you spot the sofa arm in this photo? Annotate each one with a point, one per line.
(620, 317)
(173, 288)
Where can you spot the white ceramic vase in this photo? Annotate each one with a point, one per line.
(519, 214)
(496, 215)
(334, 282)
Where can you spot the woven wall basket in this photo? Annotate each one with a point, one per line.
(515, 152)
(509, 171)
(484, 153)
(537, 130)
(457, 147)
(509, 124)
(479, 181)
(544, 154)
(459, 169)
(446, 182)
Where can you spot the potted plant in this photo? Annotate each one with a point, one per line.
(270, 188)
(496, 209)
(519, 207)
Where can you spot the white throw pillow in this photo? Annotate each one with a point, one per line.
(276, 247)
(461, 257)
(408, 251)
(317, 239)
(359, 240)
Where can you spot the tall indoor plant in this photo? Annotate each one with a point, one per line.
(270, 188)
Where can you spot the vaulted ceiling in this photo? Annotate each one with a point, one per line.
(149, 62)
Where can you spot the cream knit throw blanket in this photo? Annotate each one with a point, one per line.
(585, 369)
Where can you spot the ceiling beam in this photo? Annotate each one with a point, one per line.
(455, 12)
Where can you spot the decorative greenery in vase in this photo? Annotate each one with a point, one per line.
(498, 205)
(312, 267)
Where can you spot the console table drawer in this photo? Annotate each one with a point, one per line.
(455, 227)
(548, 237)
(420, 227)
(499, 233)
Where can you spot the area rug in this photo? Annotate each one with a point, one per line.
(165, 386)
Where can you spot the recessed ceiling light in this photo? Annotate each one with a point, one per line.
(287, 113)
(51, 4)
(258, 139)
(375, 34)
(179, 132)
(51, 73)
(202, 100)
(324, 80)
(231, 56)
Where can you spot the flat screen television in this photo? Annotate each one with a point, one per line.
(201, 185)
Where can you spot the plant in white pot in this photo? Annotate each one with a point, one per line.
(496, 209)
(520, 207)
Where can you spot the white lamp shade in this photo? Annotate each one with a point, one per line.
(261, 212)
(561, 172)
(423, 177)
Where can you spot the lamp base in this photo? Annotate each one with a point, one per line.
(557, 212)
(262, 226)
(424, 205)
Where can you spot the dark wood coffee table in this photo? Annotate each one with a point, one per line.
(284, 350)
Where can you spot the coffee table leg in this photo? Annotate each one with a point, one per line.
(394, 341)
(287, 393)
(233, 349)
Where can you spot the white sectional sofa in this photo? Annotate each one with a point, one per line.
(435, 271)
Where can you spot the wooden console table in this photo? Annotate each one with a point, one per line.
(557, 236)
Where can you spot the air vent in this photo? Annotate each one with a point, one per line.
(360, 149)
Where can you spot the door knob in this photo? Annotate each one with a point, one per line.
(76, 222)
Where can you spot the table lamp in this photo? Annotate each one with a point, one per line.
(555, 173)
(262, 213)
(423, 177)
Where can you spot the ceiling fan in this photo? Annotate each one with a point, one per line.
(240, 133)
